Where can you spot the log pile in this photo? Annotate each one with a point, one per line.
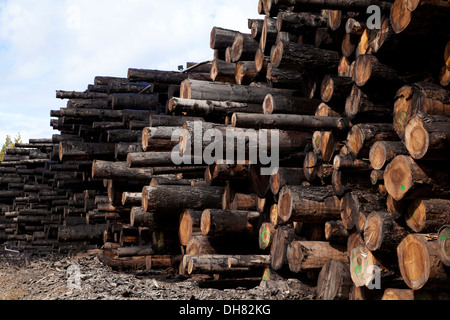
(358, 203)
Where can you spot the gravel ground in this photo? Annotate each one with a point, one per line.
(38, 276)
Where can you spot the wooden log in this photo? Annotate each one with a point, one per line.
(290, 79)
(122, 149)
(427, 215)
(284, 235)
(304, 58)
(408, 17)
(120, 101)
(274, 104)
(308, 204)
(160, 138)
(406, 179)
(336, 231)
(221, 38)
(204, 108)
(228, 222)
(217, 91)
(334, 281)
(120, 171)
(254, 262)
(76, 150)
(352, 6)
(288, 122)
(246, 72)
(363, 107)
(243, 48)
(123, 135)
(81, 233)
(364, 267)
(223, 71)
(266, 233)
(286, 176)
(427, 137)
(444, 245)
(419, 261)
(172, 199)
(268, 34)
(60, 94)
(335, 90)
(382, 232)
(130, 199)
(156, 76)
(420, 97)
(190, 221)
(361, 137)
(137, 251)
(312, 255)
(369, 72)
(299, 22)
(346, 162)
(356, 206)
(382, 152)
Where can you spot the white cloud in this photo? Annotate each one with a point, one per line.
(50, 45)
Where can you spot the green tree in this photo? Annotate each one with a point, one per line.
(9, 144)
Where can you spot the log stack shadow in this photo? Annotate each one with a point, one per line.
(359, 205)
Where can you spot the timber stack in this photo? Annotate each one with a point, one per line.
(359, 203)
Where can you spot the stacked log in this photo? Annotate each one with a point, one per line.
(356, 122)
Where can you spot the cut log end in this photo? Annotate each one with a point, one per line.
(416, 138)
(414, 261)
(398, 177)
(205, 224)
(285, 204)
(444, 245)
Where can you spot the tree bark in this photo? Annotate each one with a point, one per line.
(120, 171)
(228, 222)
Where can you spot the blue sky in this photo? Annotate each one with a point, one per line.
(51, 45)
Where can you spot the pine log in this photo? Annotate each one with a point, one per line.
(201, 90)
(421, 97)
(120, 171)
(81, 233)
(335, 90)
(221, 38)
(444, 245)
(76, 150)
(246, 72)
(406, 178)
(173, 199)
(137, 251)
(361, 137)
(162, 139)
(223, 71)
(382, 152)
(299, 23)
(369, 72)
(284, 177)
(382, 232)
(363, 267)
(156, 76)
(334, 281)
(362, 107)
(266, 233)
(419, 261)
(190, 221)
(122, 149)
(228, 222)
(275, 104)
(308, 204)
(284, 235)
(288, 122)
(268, 34)
(312, 255)
(122, 101)
(336, 231)
(304, 58)
(428, 137)
(243, 48)
(205, 108)
(428, 215)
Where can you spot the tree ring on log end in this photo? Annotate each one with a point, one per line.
(373, 233)
(416, 138)
(416, 216)
(205, 223)
(397, 177)
(444, 245)
(414, 261)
